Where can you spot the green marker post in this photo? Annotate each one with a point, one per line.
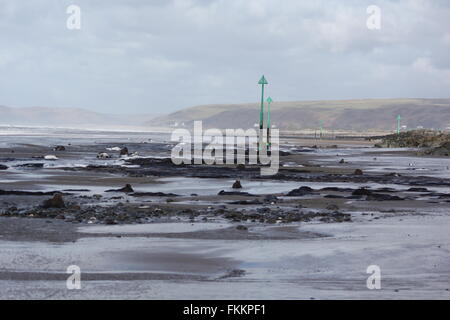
(398, 124)
(321, 128)
(262, 82)
(269, 101)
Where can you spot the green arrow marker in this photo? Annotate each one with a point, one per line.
(321, 128)
(262, 82)
(269, 101)
(398, 124)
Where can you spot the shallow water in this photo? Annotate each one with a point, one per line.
(411, 252)
(369, 160)
(42, 136)
(175, 227)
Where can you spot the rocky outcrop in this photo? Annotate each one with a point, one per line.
(361, 192)
(127, 189)
(27, 193)
(237, 185)
(372, 196)
(443, 150)
(55, 202)
(33, 165)
(436, 143)
(153, 194)
(302, 191)
(233, 193)
(103, 155)
(415, 139)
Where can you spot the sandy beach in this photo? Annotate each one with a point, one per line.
(309, 232)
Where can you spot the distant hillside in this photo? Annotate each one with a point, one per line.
(376, 114)
(68, 117)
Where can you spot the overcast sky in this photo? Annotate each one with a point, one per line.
(158, 56)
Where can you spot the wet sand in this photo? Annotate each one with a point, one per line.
(264, 244)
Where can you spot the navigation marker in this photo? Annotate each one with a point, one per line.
(269, 101)
(321, 128)
(262, 82)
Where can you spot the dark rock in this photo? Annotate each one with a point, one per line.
(55, 202)
(342, 161)
(124, 151)
(333, 196)
(241, 227)
(263, 210)
(302, 150)
(337, 189)
(59, 148)
(270, 198)
(342, 217)
(126, 189)
(233, 273)
(302, 191)
(332, 207)
(103, 155)
(437, 141)
(233, 193)
(382, 197)
(3, 167)
(393, 174)
(153, 194)
(385, 190)
(442, 150)
(110, 221)
(237, 185)
(361, 192)
(417, 190)
(358, 172)
(27, 193)
(353, 197)
(247, 202)
(293, 217)
(31, 165)
(235, 216)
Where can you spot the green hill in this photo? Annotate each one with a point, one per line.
(359, 115)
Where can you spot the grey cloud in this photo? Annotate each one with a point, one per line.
(159, 56)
